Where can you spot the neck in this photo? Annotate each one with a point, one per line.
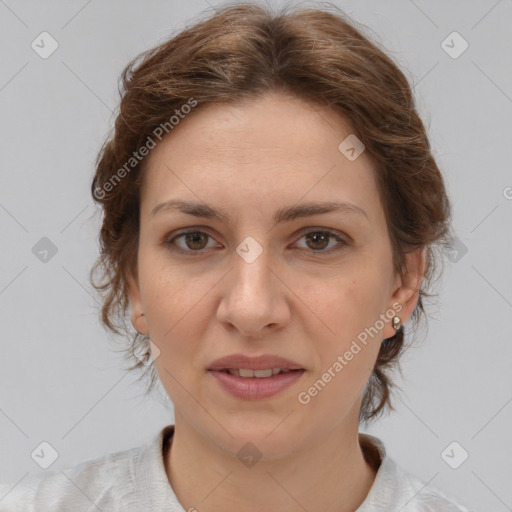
(329, 474)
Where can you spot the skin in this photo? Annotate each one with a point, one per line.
(301, 299)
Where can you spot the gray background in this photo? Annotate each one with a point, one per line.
(61, 380)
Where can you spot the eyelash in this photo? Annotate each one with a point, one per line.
(169, 241)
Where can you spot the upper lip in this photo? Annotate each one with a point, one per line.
(263, 362)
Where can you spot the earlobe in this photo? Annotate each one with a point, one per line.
(409, 284)
(139, 323)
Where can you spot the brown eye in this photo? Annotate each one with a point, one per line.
(196, 240)
(318, 241)
(191, 241)
(322, 241)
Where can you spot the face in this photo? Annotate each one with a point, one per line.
(260, 275)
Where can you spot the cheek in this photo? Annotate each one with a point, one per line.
(172, 301)
(350, 304)
(346, 341)
(345, 352)
(176, 319)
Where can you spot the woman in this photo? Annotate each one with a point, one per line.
(271, 213)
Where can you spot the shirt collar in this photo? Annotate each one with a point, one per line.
(153, 486)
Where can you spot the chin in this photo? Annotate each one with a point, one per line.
(269, 434)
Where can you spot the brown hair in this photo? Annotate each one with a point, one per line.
(242, 52)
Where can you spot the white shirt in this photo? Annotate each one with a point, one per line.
(135, 480)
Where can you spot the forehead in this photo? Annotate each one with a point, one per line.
(275, 149)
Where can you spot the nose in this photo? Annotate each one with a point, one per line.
(254, 298)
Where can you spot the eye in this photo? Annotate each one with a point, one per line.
(196, 241)
(317, 241)
(193, 240)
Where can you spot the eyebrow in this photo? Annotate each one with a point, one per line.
(286, 214)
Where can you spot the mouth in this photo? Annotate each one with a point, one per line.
(255, 384)
(255, 377)
(246, 373)
(253, 366)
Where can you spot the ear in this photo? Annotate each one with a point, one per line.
(138, 317)
(406, 288)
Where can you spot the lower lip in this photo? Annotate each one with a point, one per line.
(256, 388)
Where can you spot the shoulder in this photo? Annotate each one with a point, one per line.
(423, 497)
(100, 482)
(396, 489)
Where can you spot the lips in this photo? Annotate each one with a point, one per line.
(255, 378)
(256, 388)
(263, 362)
